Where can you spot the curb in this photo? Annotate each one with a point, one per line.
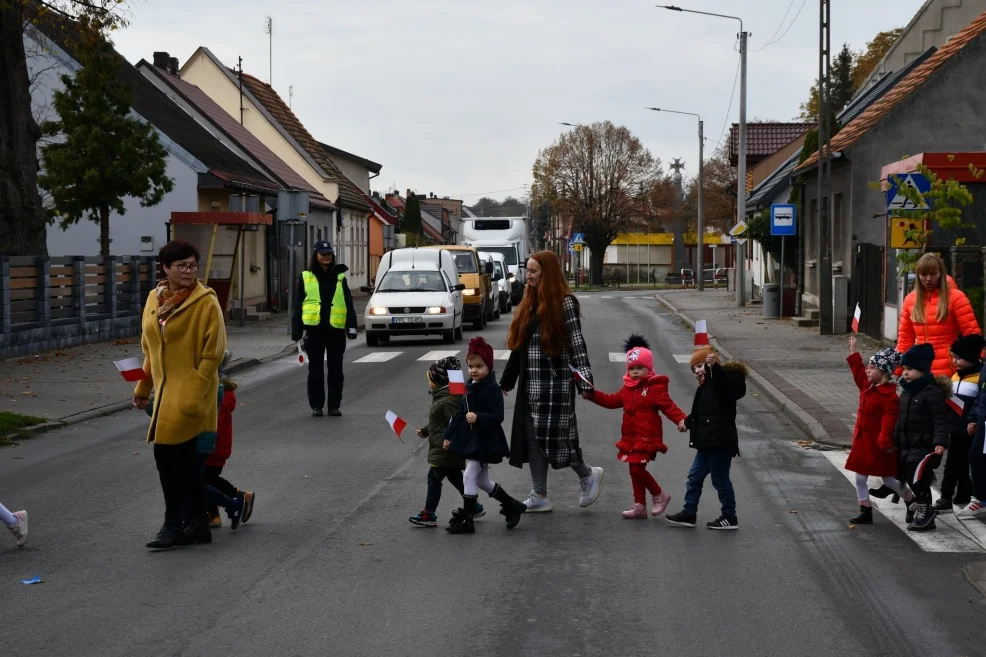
(808, 424)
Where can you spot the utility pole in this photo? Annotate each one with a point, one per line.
(270, 51)
(701, 217)
(741, 175)
(290, 95)
(824, 237)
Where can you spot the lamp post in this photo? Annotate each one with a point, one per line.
(741, 167)
(700, 228)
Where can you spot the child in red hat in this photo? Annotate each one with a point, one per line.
(643, 398)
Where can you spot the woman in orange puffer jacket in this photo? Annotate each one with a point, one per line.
(936, 312)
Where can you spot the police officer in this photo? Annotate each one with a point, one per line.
(324, 312)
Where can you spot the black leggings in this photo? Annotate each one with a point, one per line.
(180, 471)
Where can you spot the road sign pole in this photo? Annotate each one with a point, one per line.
(782, 278)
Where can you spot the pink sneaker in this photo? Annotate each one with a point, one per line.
(639, 511)
(661, 501)
(20, 529)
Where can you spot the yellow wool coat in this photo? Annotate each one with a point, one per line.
(182, 363)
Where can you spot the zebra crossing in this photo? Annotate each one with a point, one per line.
(431, 356)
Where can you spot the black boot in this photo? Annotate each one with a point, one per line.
(510, 508)
(197, 531)
(167, 538)
(462, 518)
(864, 517)
(883, 492)
(924, 518)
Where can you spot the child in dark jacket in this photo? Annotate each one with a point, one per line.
(921, 430)
(476, 434)
(712, 423)
(872, 453)
(442, 464)
(643, 397)
(976, 428)
(956, 484)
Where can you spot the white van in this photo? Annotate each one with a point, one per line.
(417, 293)
(501, 280)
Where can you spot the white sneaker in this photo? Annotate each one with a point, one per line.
(537, 504)
(590, 487)
(20, 529)
(976, 510)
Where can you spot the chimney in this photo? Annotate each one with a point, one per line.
(173, 66)
(408, 193)
(161, 60)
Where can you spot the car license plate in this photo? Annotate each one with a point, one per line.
(405, 320)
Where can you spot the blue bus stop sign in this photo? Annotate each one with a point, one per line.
(783, 221)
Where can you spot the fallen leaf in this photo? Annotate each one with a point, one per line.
(792, 511)
(852, 526)
(138, 453)
(307, 477)
(28, 393)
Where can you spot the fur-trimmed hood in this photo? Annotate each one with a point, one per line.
(945, 383)
(739, 367)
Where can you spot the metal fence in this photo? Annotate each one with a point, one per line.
(51, 303)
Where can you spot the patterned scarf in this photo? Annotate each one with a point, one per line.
(168, 302)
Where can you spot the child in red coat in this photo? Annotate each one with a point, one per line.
(643, 398)
(219, 492)
(872, 452)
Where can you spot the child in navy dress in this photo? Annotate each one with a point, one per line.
(476, 434)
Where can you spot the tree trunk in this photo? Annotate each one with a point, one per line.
(22, 222)
(598, 248)
(104, 231)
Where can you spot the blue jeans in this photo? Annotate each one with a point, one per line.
(715, 462)
(437, 473)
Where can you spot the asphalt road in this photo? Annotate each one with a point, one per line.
(329, 564)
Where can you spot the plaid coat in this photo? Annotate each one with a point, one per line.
(547, 391)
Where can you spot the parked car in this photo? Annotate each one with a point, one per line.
(477, 278)
(494, 302)
(417, 293)
(502, 279)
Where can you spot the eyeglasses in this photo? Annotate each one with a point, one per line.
(186, 268)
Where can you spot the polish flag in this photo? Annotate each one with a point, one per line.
(701, 333)
(956, 404)
(131, 369)
(302, 356)
(396, 423)
(855, 319)
(919, 471)
(456, 382)
(578, 375)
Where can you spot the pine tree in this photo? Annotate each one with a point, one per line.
(106, 155)
(842, 80)
(411, 223)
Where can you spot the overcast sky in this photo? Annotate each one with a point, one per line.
(456, 97)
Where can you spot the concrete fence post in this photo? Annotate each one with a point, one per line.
(79, 288)
(109, 267)
(44, 290)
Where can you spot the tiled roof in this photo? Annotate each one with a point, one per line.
(875, 113)
(275, 166)
(370, 165)
(349, 194)
(764, 139)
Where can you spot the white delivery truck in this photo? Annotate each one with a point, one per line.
(506, 235)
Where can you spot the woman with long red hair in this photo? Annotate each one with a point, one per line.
(545, 338)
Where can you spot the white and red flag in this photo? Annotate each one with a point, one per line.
(956, 404)
(701, 333)
(131, 369)
(919, 471)
(855, 319)
(456, 382)
(396, 423)
(576, 374)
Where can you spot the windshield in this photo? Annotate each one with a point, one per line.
(497, 267)
(465, 262)
(412, 281)
(509, 252)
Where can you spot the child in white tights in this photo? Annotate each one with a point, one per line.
(872, 452)
(16, 522)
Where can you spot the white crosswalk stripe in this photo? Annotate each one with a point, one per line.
(501, 354)
(617, 357)
(379, 357)
(951, 534)
(438, 355)
(683, 358)
(605, 296)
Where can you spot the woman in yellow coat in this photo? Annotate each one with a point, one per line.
(183, 338)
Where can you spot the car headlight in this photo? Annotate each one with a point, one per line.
(470, 292)
(378, 310)
(435, 310)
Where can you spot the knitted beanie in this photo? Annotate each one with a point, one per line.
(701, 353)
(638, 352)
(438, 372)
(479, 347)
(919, 357)
(886, 360)
(969, 348)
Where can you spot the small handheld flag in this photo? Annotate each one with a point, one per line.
(302, 356)
(396, 423)
(919, 471)
(855, 319)
(956, 404)
(701, 333)
(578, 375)
(456, 382)
(131, 369)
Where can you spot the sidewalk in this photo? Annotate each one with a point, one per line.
(76, 384)
(801, 371)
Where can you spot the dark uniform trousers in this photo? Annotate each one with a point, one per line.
(325, 350)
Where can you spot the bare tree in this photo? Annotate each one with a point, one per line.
(602, 175)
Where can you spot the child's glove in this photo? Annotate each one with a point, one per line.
(422, 432)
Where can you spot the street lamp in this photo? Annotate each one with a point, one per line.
(741, 168)
(700, 260)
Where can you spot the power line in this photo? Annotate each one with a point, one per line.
(788, 29)
(722, 133)
(779, 25)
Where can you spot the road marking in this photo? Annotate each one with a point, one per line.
(605, 296)
(617, 357)
(501, 354)
(438, 355)
(951, 535)
(379, 357)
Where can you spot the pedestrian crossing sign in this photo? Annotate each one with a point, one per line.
(897, 201)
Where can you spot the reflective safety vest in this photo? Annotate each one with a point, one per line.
(311, 305)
